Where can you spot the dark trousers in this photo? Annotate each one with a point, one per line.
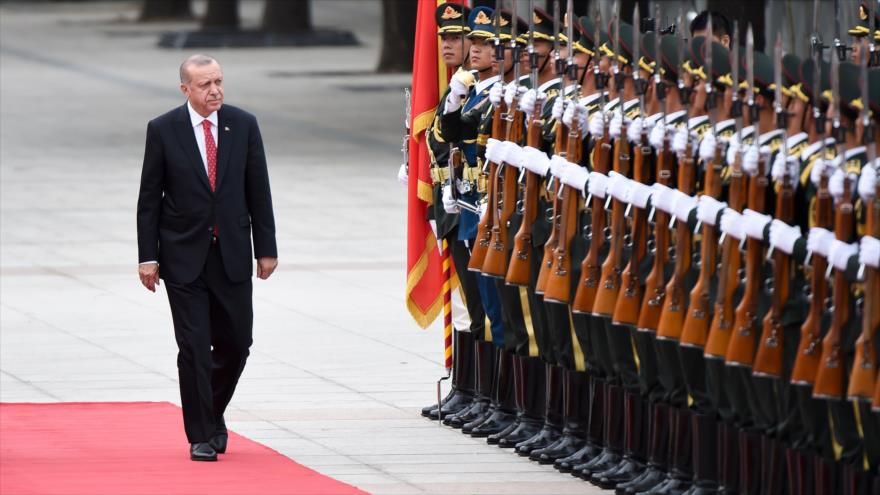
(213, 324)
(460, 258)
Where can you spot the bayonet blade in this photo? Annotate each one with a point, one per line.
(658, 78)
(835, 99)
(750, 67)
(710, 96)
(569, 33)
(533, 58)
(777, 73)
(557, 60)
(734, 74)
(681, 85)
(870, 148)
(514, 31)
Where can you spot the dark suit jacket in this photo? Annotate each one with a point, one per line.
(177, 210)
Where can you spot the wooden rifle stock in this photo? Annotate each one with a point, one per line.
(519, 269)
(864, 371)
(741, 348)
(655, 284)
(558, 288)
(806, 363)
(728, 279)
(768, 360)
(695, 331)
(484, 228)
(495, 264)
(675, 304)
(626, 311)
(588, 284)
(553, 239)
(612, 268)
(829, 375)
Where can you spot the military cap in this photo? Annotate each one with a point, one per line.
(670, 64)
(807, 72)
(646, 48)
(693, 58)
(506, 29)
(626, 43)
(863, 24)
(543, 26)
(452, 18)
(720, 60)
(587, 30)
(763, 71)
(791, 76)
(848, 76)
(480, 23)
(584, 41)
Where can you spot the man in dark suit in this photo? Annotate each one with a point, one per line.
(204, 190)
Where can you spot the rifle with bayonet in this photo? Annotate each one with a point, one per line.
(496, 262)
(675, 304)
(588, 284)
(519, 269)
(626, 312)
(612, 267)
(655, 283)
(695, 331)
(768, 360)
(829, 375)
(484, 228)
(743, 341)
(731, 261)
(864, 370)
(558, 285)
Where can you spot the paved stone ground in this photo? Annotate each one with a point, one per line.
(338, 370)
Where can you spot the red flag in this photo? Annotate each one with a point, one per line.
(424, 268)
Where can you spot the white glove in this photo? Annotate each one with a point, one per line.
(557, 165)
(634, 131)
(755, 223)
(708, 208)
(658, 134)
(819, 240)
(707, 147)
(494, 150)
(512, 90)
(639, 194)
(618, 186)
(402, 175)
(559, 105)
(840, 252)
(496, 92)
(835, 184)
(512, 153)
(680, 141)
(732, 224)
(457, 91)
(597, 125)
(530, 101)
(535, 161)
(781, 167)
(783, 236)
(820, 165)
(732, 150)
(683, 206)
(615, 125)
(750, 160)
(869, 251)
(449, 204)
(575, 176)
(663, 198)
(868, 183)
(598, 184)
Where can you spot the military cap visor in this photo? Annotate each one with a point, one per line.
(543, 26)
(625, 42)
(807, 72)
(452, 18)
(720, 60)
(863, 24)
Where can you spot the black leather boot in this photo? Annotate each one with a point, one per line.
(593, 445)
(574, 395)
(635, 445)
(750, 462)
(462, 393)
(729, 475)
(791, 471)
(534, 380)
(486, 377)
(613, 450)
(856, 481)
(658, 454)
(826, 477)
(518, 400)
(504, 413)
(773, 472)
(705, 454)
(679, 478)
(550, 431)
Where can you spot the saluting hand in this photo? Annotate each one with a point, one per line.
(149, 275)
(266, 266)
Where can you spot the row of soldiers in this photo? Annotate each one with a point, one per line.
(667, 250)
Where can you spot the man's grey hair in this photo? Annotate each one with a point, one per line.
(199, 60)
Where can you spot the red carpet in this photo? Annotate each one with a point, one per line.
(135, 448)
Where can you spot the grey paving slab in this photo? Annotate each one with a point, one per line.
(338, 370)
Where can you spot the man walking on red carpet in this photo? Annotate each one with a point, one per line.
(204, 191)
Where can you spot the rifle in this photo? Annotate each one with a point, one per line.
(519, 269)
(741, 348)
(484, 228)
(864, 370)
(655, 284)
(674, 304)
(587, 286)
(558, 283)
(695, 332)
(626, 311)
(768, 360)
(612, 267)
(495, 264)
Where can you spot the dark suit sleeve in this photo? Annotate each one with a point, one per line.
(150, 197)
(259, 196)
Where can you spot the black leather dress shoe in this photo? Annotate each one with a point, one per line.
(218, 442)
(202, 451)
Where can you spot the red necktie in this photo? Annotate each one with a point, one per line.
(211, 155)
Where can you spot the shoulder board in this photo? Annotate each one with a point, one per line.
(631, 108)
(796, 143)
(854, 159)
(675, 119)
(653, 118)
(811, 151)
(748, 135)
(699, 124)
(768, 138)
(612, 105)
